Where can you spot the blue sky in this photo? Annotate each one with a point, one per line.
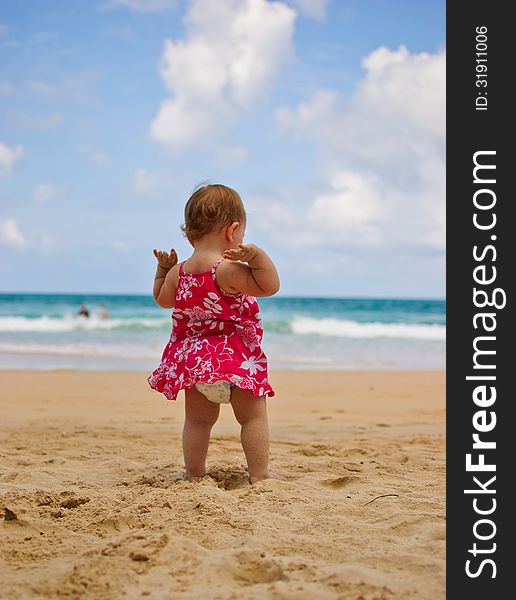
(327, 117)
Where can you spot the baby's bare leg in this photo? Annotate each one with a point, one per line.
(200, 416)
(251, 412)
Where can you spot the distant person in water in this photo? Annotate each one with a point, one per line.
(103, 312)
(83, 311)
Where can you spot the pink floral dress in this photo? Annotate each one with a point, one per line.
(215, 335)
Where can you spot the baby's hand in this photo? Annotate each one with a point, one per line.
(165, 259)
(244, 252)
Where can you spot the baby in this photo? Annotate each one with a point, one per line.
(214, 351)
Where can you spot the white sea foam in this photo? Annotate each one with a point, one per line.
(353, 329)
(299, 325)
(76, 323)
(99, 350)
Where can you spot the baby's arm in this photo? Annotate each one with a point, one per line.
(165, 281)
(258, 278)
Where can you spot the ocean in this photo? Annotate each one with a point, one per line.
(44, 331)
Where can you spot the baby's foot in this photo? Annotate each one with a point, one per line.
(269, 474)
(193, 477)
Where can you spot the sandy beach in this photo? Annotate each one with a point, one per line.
(93, 504)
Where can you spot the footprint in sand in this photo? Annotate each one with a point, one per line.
(251, 568)
(319, 450)
(116, 523)
(229, 478)
(161, 479)
(236, 478)
(340, 482)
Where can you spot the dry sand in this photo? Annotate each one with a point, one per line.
(93, 506)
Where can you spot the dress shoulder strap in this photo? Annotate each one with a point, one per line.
(215, 265)
(217, 286)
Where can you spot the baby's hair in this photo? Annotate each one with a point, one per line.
(211, 206)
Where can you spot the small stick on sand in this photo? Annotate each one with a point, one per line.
(382, 496)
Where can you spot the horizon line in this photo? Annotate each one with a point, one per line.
(353, 297)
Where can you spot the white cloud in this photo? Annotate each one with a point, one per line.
(232, 51)
(40, 39)
(29, 121)
(229, 155)
(141, 6)
(343, 215)
(6, 88)
(95, 155)
(145, 182)
(46, 244)
(8, 156)
(77, 87)
(10, 235)
(43, 88)
(44, 192)
(122, 32)
(120, 246)
(315, 9)
(388, 143)
(349, 210)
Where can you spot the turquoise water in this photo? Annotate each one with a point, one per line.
(44, 331)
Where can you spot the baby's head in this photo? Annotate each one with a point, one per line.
(214, 209)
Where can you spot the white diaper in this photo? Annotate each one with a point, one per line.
(218, 392)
